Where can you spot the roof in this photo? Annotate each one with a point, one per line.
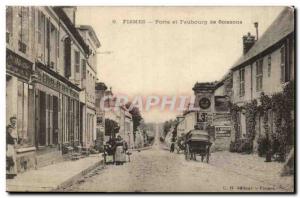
(281, 27)
(91, 32)
(225, 77)
(65, 19)
(204, 86)
(100, 86)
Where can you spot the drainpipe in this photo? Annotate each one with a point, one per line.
(251, 84)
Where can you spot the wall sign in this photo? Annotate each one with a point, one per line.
(222, 131)
(55, 84)
(18, 65)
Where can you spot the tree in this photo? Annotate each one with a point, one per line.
(111, 127)
(167, 126)
(136, 115)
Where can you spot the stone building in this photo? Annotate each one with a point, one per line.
(100, 88)
(213, 114)
(126, 126)
(44, 65)
(266, 66)
(89, 78)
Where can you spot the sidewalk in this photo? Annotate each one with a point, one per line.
(53, 177)
(254, 167)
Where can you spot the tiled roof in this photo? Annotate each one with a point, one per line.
(282, 26)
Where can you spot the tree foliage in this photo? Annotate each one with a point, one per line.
(136, 115)
(111, 127)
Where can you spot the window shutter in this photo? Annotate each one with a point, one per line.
(67, 57)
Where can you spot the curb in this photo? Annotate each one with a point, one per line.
(76, 177)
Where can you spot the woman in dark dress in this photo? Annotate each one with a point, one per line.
(11, 139)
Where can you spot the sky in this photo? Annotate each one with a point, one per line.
(155, 58)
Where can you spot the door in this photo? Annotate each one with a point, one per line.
(55, 120)
(42, 119)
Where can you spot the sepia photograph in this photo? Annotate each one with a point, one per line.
(150, 99)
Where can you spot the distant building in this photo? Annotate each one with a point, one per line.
(100, 88)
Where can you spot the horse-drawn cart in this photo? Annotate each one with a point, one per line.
(197, 142)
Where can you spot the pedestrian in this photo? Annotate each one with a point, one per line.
(120, 153)
(110, 148)
(172, 148)
(11, 140)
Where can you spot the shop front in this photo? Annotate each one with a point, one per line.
(19, 104)
(57, 115)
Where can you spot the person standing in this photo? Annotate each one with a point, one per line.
(11, 140)
(120, 154)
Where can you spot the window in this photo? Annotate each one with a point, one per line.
(67, 58)
(259, 75)
(9, 23)
(23, 14)
(41, 27)
(221, 104)
(83, 62)
(77, 61)
(242, 81)
(269, 65)
(23, 114)
(53, 45)
(41, 35)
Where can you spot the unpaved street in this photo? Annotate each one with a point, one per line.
(157, 170)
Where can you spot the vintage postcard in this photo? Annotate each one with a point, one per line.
(150, 99)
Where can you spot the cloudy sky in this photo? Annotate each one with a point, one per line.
(168, 59)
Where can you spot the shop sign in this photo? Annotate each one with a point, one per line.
(18, 65)
(222, 131)
(55, 84)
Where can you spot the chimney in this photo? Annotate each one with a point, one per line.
(256, 27)
(248, 42)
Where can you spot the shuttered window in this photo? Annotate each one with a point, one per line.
(67, 58)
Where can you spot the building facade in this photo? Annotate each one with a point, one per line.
(211, 101)
(89, 78)
(42, 87)
(100, 88)
(266, 67)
